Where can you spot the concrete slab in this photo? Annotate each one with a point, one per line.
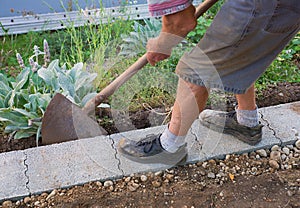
(12, 175)
(71, 163)
(284, 120)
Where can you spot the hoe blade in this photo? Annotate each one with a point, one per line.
(65, 121)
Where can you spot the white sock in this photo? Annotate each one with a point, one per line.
(171, 142)
(247, 118)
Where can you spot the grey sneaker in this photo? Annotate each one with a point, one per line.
(149, 150)
(226, 122)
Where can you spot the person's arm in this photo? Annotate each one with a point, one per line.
(174, 28)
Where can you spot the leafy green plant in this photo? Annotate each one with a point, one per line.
(284, 68)
(23, 100)
(195, 35)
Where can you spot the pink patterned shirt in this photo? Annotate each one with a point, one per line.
(165, 7)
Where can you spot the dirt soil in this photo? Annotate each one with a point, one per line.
(250, 181)
(266, 190)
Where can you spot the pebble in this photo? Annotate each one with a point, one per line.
(274, 164)
(144, 178)
(27, 200)
(127, 179)
(275, 155)
(159, 173)
(254, 169)
(211, 175)
(227, 157)
(275, 148)
(37, 203)
(133, 187)
(262, 153)
(297, 144)
(53, 193)
(286, 150)
(108, 183)
(98, 183)
(156, 184)
(283, 157)
(290, 193)
(7, 204)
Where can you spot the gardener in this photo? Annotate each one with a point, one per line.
(242, 41)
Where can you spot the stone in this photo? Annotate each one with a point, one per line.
(159, 173)
(27, 200)
(7, 204)
(144, 178)
(53, 193)
(98, 183)
(286, 150)
(156, 184)
(274, 164)
(133, 187)
(108, 183)
(275, 148)
(127, 179)
(297, 144)
(283, 157)
(275, 155)
(262, 153)
(211, 175)
(169, 176)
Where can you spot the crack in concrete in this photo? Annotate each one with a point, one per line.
(269, 126)
(25, 172)
(116, 153)
(197, 142)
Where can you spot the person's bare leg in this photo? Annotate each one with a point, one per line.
(247, 114)
(190, 101)
(247, 101)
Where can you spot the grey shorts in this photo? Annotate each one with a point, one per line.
(242, 41)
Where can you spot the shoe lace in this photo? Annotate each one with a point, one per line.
(148, 140)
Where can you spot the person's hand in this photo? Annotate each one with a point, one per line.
(160, 48)
(154, 57)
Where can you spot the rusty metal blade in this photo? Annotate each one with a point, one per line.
(65, 121)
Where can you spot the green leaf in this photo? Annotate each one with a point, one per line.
(23, 134)
(15, 118)
(22, 79)
(4, 88)
(25, 113)
(12, 128)
(87, 97)
(47, 75)
(66, 84)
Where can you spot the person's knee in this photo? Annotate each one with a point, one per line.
(197, 90)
